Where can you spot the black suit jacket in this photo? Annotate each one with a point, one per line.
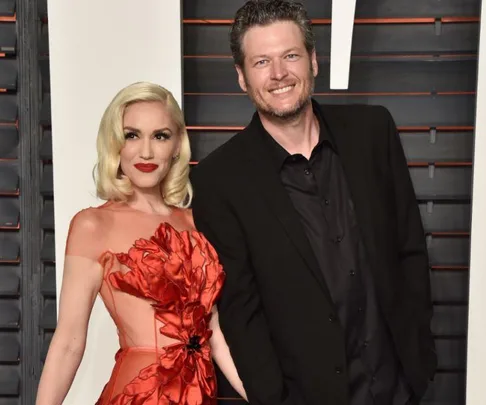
(276, 312)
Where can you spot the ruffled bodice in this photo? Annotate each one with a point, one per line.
(160, 292)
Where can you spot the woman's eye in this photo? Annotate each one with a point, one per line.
(130, 135)
(162, 136)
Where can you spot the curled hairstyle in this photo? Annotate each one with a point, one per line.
(176, 188)
(265, 12)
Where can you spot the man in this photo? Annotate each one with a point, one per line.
(313, 213)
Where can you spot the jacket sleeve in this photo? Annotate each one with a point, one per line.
(241, 316)
(413, 254)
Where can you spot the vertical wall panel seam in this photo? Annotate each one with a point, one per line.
(30, 168)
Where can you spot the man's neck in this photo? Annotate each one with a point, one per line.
(298, 136)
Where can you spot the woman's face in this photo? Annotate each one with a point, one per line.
(151, 142)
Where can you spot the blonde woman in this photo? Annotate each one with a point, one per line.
(158, 277)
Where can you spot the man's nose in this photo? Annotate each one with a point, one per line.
(279, 70)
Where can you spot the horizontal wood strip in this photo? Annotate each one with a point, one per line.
(400, 128)
(327, 21)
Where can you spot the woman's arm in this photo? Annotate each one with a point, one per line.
(222, 356)
(81, 282)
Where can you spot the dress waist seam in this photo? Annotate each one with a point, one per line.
(139, 349)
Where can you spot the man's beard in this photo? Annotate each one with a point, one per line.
(288, 114)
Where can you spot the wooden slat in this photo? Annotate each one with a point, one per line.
(372, 75)
(209, 39)
(357, 21)
(412, 112)
(226, 9)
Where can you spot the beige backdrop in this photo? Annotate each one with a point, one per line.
(96, 48)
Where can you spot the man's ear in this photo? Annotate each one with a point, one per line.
(241, 77)
(315, 65)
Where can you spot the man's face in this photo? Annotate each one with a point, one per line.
(278, 73)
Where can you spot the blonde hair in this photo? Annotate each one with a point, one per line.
(176, 188)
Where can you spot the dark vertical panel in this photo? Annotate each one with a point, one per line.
(47, 310)
(30, 201)
(12, 363)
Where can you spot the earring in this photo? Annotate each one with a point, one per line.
(175, 158)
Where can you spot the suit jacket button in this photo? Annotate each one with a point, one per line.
(338, 370)
(332, 318)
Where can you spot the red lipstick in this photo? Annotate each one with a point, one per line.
(146, 167)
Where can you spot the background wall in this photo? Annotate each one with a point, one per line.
(417, 58)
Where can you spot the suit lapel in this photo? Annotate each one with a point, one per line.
(267, 180)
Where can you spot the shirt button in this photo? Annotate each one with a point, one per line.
(307, 171)
(365, 343)
(339, 239)
(332, 318)
(352, 273)
(338, 370)
(326, 201)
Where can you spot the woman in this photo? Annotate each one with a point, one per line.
(158, 277)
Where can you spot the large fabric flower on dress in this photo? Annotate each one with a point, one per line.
(181, 274)
(170, 270)
(194, 380)
(185, 372)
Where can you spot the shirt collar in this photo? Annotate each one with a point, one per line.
(279, 154)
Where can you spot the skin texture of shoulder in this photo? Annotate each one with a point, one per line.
(87, 221)
(85, 234)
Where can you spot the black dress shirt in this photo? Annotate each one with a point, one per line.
(318, 190)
